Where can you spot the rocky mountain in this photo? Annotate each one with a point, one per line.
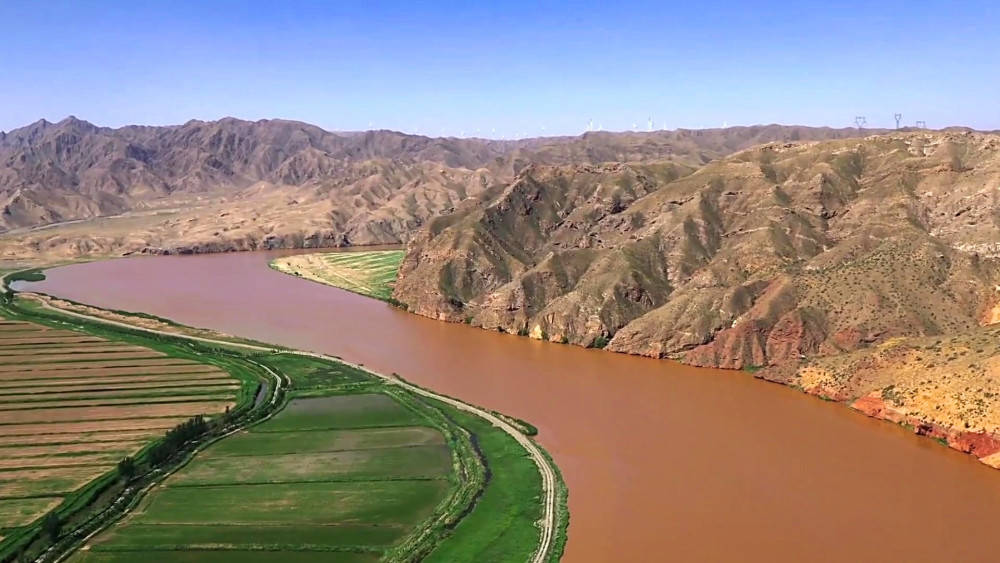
(75, 170)
(803, 259)
(235, 184)
(774, 252)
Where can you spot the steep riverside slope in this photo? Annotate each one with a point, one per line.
(793, 257)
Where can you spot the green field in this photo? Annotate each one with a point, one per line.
(396, 504)
(314, 374)
(290, 442)
(76, 399)
(56, 382)
(371, 273)
(347, 411)
(347, 467)
(502, 527)
(345, 473)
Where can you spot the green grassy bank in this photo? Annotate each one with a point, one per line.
(371, 273)
(86, 508)
(344, 464)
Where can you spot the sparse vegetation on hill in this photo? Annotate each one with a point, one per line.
(239, 185)
(764, 259)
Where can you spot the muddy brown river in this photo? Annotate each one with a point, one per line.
(663, 462)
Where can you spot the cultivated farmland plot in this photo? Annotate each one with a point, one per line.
(335, 465)
(337, 478)
(73, 405)
(372, 273)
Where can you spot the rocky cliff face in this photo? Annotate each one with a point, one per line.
(946, 386)
(778, 252)
(773, 253)
(864, 270)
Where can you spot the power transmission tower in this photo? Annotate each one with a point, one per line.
(921, 125)
(860, 121)
(897, 116)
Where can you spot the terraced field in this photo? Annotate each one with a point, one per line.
(72, 405)
(372, 273)
(333, 478)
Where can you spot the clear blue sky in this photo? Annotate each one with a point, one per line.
(442, 67)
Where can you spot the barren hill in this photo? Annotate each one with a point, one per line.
(233, 184)
(838, 266)
(844, 241)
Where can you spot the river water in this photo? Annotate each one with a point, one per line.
(664, 462)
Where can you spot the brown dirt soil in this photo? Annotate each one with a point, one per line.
(180, 370)
(82, 447)
(80, 351)
(21, 327)
(84, 366)
(87, 390)
(69, 429)
(63, 389)
(94, 438)
(55, 338)
(48, 342)
(27, 463)
(110, 401)
(104, 381)
(110, 413)
(68, 338)
(48, 481)
(41, 358)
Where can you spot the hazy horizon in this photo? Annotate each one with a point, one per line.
(520, 70)
(467, 136)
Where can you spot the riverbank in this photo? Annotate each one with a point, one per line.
(956, 415)
(100, 498)
(551, 517)
(630, 434)
(371, 273)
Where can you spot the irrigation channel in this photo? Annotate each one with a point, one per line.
(663, 461)
(548, 524)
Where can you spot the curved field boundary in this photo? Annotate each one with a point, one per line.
(129, 498)
(548, 523)
(72, 506)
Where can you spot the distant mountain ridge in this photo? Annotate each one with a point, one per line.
(71, 170)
